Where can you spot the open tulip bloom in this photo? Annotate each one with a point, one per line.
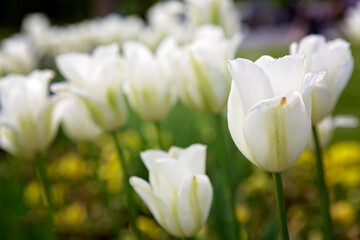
(269, 114)
(150, 84)
(179, 194)
(28, 120)
(204, 78)
(97, 80)
(269, 109)
(335, 58)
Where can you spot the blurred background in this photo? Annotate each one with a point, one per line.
(307, 16)
(87, 179)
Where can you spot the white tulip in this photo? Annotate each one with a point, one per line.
(76, 120)
(18, 55)
(150, 81)
(335, 58)
(205, 81)
(28, 120)
(97, 80)
(269, 109)
(352, 22)
(37, 27)
(327, 126)
(223, 13)
(170, 18)
(179, 194)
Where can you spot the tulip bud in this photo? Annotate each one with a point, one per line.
(217, 12)
(205, 81)
(269, 109)
(97, 80)
(29, 121)
(179, 194)
(335, 58)
(150, 82)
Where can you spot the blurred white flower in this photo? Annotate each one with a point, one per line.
(36, 26)
(179, 194)
(352, 23)
(28, 120)
(170, 18)
(98, 80)
(326, 127)
(335, 58)
(114, 29)
(223, 13)
(269, 109)
(150, 79)
(18, 55)
(204, 78)
(82, 36)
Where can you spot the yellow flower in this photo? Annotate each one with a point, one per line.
(73, 167)
(33, 194)
(149, 227)
(343, 212)
(110, 171)
(342, 164)
(132, 140)
(242, 213)
(306, 158)
(72, 215)
(258, 182)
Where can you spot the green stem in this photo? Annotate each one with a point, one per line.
(280, 202)
(158, 131)
(225, 180)
(129, 194)
(40, 165)
(323, 190)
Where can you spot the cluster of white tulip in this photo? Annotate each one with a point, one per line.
(272, 103)
(171, 18)
(190, 60)
(82, 37)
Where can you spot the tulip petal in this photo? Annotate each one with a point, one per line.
(9, 140)
(74, 67)
(341, 65)
(193, 157)
(308, 45)
(277, 130)
(76, 120)
(149, 157)
(236, 117)
(310, 80)
(156, 206)
(195, 197)
(168, 174)
(251, 82)
(321, 102)
(285, 74)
